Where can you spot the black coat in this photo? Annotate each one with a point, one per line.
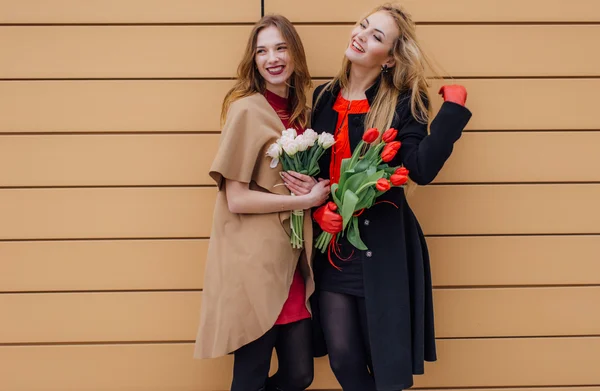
(396, 269)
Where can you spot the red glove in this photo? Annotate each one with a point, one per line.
(454, 93)
(328, 219)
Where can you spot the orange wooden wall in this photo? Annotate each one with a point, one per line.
(109, 121)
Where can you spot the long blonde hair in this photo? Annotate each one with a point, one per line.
(408, 74)
(249, 80)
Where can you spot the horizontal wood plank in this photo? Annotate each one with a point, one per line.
(88, 213)
(514, 260)
(444, 10)
(102, 265)
(524, 157)
(462, 363)
(99, 160)
(174, 316)
(111, 105)
(484, 50)
(194, 106)
(121, 51)
(127, 11)
(527, 104)
(507, 209)
(106, 213)
(89, 160)
(195, 11)
(181, 51)
(179, 264)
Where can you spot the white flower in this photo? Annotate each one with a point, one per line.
(274, 151)
(311, 135)
(309, 143)
(301, 141)
(326, 140)
(289, 133)
(290, 146)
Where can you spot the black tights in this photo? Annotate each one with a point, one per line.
(344, 324)
(293, 344)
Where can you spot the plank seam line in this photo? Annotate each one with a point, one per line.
(297, 23)
(139, 238)
(197, 290)
(464, 23)
(113, 133)
(503, 235)
(131, 24)
(26, 133)
(584, 386)
(231, 78)
(157, 238)
(210, 186)
(165, 342)
(189, 186)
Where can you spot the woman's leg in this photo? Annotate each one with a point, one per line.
(251, 363)
(362, 315)
(295, 355)
(341, 322)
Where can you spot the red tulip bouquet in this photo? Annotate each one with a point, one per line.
(364, 177)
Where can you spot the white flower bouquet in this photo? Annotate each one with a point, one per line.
(299, 153)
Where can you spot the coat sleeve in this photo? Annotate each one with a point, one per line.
(239, 148)
(316, 108)
(422, 154)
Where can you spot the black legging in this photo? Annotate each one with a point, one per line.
(344, 324)
(293, 344)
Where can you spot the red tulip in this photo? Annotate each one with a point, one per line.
(401, 171)
(389, 135)
(370, 135)
(398, 180)
(382, 185)
(390, 151)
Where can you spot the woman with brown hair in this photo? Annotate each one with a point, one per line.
(256, 286)
(376, 313)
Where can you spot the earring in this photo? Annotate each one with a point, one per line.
(384, 68)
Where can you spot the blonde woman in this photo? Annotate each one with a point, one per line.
(376, 313)
(257, 286)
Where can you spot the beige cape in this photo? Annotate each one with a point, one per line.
(250, 261)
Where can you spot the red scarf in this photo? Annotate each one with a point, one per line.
(341, 149)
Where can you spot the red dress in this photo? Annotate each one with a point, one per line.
(294, 308)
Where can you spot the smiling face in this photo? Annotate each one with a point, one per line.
(273, 60)
(372, 40)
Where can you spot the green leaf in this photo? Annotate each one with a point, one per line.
(374, 177)
(367, 198)
(387, 168)
(345, 164)
(334, 194)
(362, 166)
(355, 181)
(348, 206)
(355, 155)
(286, 162)
(344, 177)
(354, 235)
(372, 154)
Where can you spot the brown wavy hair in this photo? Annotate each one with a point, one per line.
(249, 80)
